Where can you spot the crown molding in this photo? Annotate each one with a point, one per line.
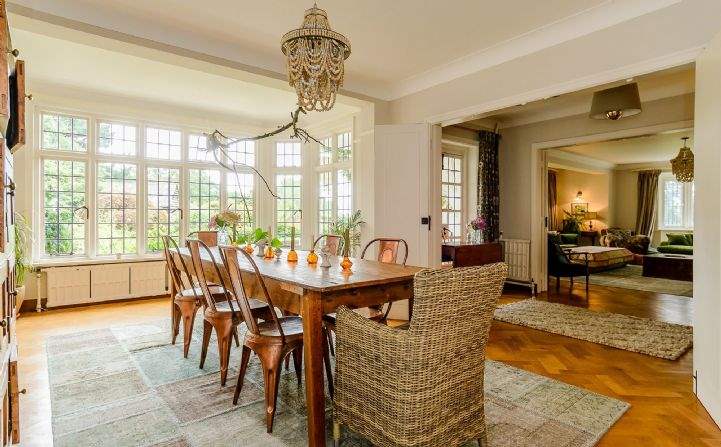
(576, 162)
(602, 16)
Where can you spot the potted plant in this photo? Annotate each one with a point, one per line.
(224, 222)
(353, 224)
(23, 240)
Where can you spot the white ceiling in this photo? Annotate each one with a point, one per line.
(399, 46)
(662, 84)
(638, 150)
(57, 63)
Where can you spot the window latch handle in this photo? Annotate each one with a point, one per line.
(87, 211)
(180, 210)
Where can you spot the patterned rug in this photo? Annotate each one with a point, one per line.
(655, 338)
(630, 277)
(127, 386)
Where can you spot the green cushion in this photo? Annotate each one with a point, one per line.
(677, 239)
(676, 249)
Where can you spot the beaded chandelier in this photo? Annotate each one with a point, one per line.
(316, 55)
(682, 165)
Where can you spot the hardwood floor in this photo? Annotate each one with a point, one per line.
(664, 411)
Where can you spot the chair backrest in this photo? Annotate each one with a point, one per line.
(196, 246)
(333, 242)
(556, 255)
(209, 238)
(453, 308)
(176, 274)
(388, 250)
(229, 255)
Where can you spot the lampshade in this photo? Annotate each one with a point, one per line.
(616, 103)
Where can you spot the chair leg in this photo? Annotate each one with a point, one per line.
(558, 284)
(241, 374)
(326, 361)
(188, 310)
(224, 332)
(271, 371)
(207, 331)
(235, 336)
(336, 434)
(176, 323)
(571, 281)
(329, 340)
(298, 363)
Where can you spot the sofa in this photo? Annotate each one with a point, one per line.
(677, 243)
(620, 238)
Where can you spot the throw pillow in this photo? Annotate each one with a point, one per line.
(677, 239)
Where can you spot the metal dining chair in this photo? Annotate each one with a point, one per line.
(334, 243)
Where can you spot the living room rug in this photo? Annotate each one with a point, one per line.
(651, 337)
(128, 386)
(630, 277)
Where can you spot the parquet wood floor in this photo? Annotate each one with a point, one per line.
(664, 410)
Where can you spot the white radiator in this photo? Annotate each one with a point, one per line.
(517, 254)
(148, 279)
(68, 285)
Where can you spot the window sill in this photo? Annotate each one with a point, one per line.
(686, 230)
(67, 262)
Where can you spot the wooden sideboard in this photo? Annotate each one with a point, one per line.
(467, 255)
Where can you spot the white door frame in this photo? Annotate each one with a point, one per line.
(539, 186)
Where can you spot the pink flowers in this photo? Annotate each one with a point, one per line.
(478, 223)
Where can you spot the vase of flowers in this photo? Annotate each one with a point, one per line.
(475, 230)
(226, 223)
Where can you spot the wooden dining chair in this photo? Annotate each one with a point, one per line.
(209, 237)
(334, 243)
(271, 340)
(188, 297)
(219, 313)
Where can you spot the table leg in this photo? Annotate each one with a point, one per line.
(312, 313)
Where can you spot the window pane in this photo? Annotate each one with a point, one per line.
(287, 154)
(288, 207)
(117, 207)
(64, 133)
(451, 194)
(163, 144)
(163, 209)
(64, 191)
(197, 145)
(672, 203)
(344, 146)
(117, 139)
(325, 155)
(242, 152)
(345, 194)
(204, 197)
(325, 202)
(240, 198)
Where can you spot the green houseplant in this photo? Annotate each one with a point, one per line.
(23, 241)
(352, 224)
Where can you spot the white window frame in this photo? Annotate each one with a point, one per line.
(289, 170)
(686, 213)
(333, 167)
(91, 157)
(464, 191)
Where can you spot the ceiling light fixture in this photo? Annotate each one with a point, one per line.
(616, 103)
(682, 165)
(316, 55)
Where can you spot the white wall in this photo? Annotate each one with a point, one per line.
(707, 222)
(596, 188)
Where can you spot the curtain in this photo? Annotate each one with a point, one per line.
(488, 189)
(647, 195)
(552, 218)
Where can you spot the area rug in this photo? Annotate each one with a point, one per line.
(655, 338)
(127, 386)
(630, 277)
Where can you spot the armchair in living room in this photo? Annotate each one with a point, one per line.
(560, 264)
(621, 238)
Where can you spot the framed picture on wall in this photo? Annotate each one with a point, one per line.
(579, 208)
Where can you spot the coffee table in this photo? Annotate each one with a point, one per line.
(669, 266)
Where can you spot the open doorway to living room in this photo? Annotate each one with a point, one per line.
(616, 207)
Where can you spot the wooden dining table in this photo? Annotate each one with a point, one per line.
(312, 291)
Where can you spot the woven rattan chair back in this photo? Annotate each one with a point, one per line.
(231, 262)
(176, 274)
(195, 246)
(209, 238)
(332, 241)
(388, 250)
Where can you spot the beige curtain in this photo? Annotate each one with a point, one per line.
(552, 217)
(647, 194)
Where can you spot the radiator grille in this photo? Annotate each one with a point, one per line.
(517, 254)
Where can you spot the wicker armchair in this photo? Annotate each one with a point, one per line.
(422, 386)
